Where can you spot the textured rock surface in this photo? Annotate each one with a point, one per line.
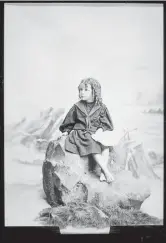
(67, 177)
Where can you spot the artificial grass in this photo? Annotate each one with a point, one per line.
(86, 215)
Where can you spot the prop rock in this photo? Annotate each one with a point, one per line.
(68, 177)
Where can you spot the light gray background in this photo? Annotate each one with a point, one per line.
(50, 48)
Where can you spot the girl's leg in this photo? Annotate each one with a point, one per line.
(105, 155)
(102, 160)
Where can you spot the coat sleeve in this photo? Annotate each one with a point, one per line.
(69, 121)
(106, 120)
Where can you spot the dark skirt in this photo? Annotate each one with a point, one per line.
(80, 142)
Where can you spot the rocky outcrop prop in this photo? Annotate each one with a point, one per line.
(70, 178)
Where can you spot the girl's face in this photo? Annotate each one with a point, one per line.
(86, 92)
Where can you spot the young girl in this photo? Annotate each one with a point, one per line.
(83, 120)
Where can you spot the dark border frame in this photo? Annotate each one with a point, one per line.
(44, 234)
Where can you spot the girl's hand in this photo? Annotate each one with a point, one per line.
(99, 130)
(64, 133)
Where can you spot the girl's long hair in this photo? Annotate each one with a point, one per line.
(96, 88)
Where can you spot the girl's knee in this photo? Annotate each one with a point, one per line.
(105, 151)
(96, 155)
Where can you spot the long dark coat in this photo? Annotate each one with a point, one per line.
(80, 125)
